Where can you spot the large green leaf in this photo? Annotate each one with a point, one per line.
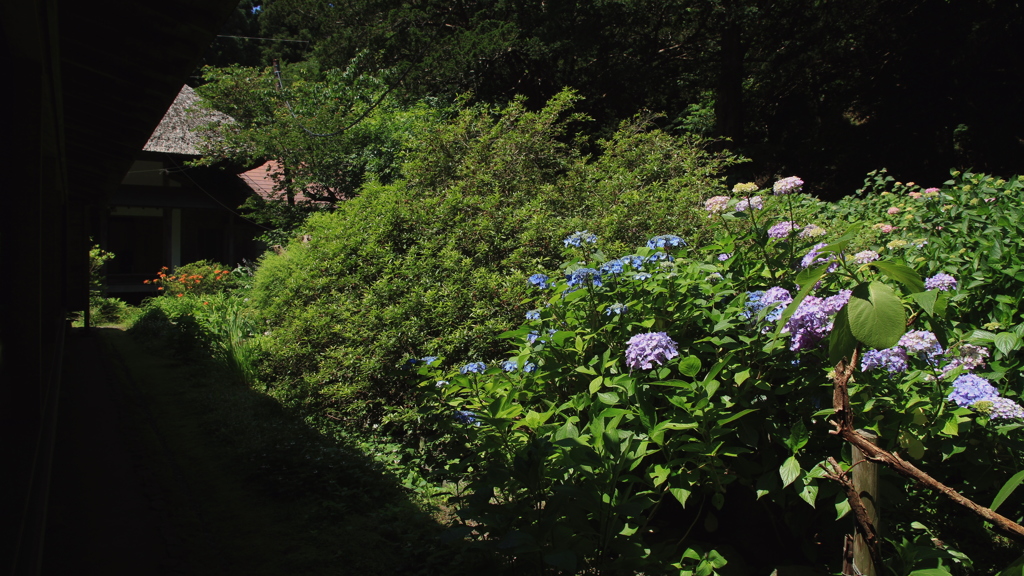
(841, 342)
(876, 315)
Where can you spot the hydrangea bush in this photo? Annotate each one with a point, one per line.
(671, 389)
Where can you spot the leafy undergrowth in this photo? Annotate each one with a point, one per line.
(254, 490)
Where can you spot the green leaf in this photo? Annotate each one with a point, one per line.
(1007, 342)
(952, 426)
(681, 494)
(876, 315)
(809, 494)
(689, 366)
(841, 342)
(930, 572)
(1007, 489)
(741, 377)
(789, 471)
(902, 274)
(610, 398)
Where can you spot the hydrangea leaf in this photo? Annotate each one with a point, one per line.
(1007, 342)
(876, 315)
(789, 471)
(902, 274)
(841, 341)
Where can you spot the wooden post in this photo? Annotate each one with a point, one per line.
(865, 482)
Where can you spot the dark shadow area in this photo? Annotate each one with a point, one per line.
(165, 467)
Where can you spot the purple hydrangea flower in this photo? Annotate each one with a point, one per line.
(814, 257)
(724, 257)
(812, 320)
(781, 230)
(645, 350)
(716, 204)
(921, 342)
(666, 241)
(578, 239)
(747, 203)
(789, 185)
(473, 367)
(892, 359)
(940, 281)
(774, 299)
(969, 388)
(1000, 408)
(538, 280)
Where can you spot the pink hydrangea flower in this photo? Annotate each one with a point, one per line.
(893, 210)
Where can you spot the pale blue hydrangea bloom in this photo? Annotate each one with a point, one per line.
(473, 367)
(510, 365)
(582, 276)
(529, 367)
(645, 350)
(969, 388)
(533, 315)
(539, 280)
(613, 266)
(617, 308)
(666, 241)
(578, 239)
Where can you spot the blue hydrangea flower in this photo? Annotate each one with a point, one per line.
(969, 388)
(578, 239)
(634, 261)
(465, 417)
(533, 315)
(529, 367)
(613, 266)
(473, 367)
(776, 299)
(532, 336)
(666, 241)
(582, 276)
(510, 365)
(617, 308)
(441, 383)
(724, 257)
(539, 280)
(428, 359)
(892, 359)
(789, 185)
(940, 281)
(641, 276)
(646, 350)
(659, 256)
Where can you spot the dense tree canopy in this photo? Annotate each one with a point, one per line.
(824, 88)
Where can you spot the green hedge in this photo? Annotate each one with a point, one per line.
(436, 262)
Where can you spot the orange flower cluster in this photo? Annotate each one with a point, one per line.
(183, 283)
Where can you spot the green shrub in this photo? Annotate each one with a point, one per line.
(436, 261)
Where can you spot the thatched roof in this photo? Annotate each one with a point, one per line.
(177, 132)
